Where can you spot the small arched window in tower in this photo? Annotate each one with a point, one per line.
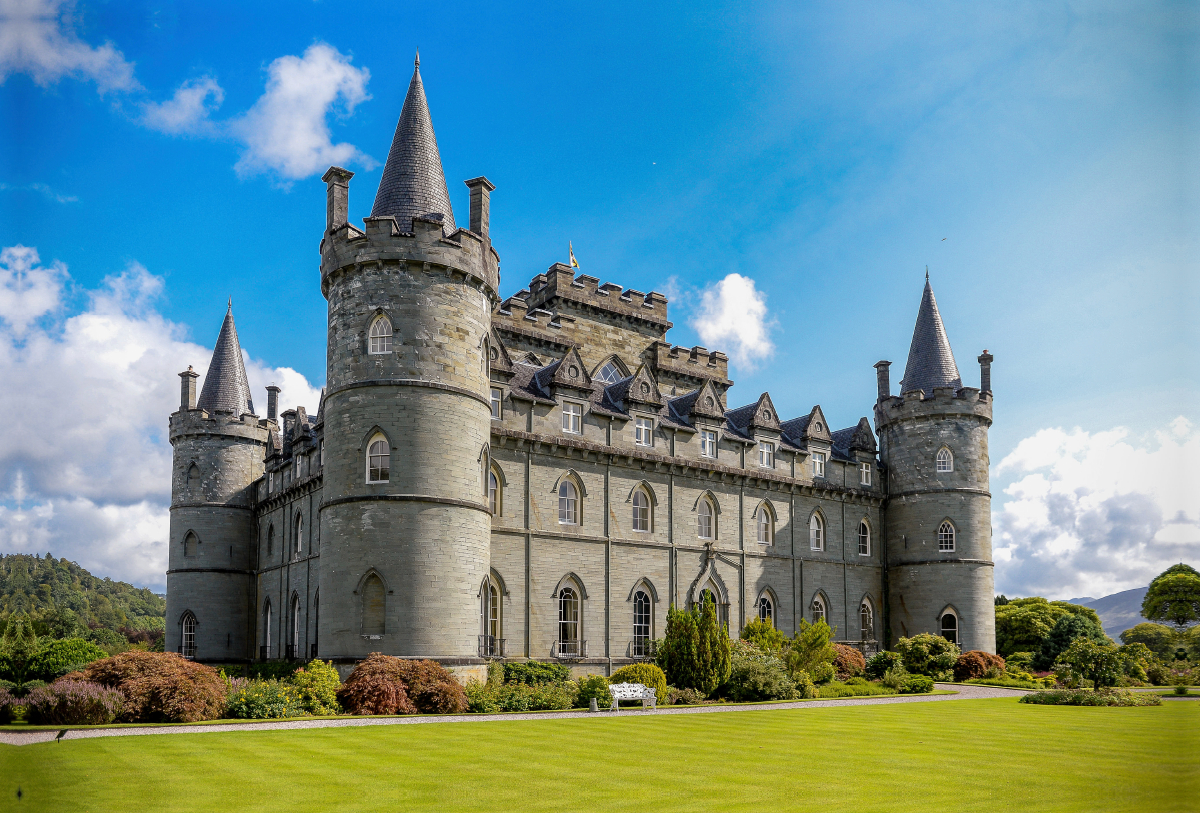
(946, 536)
(294, 644)
(379, 460)
(191, 545)
(568, 503)
(945, 460)
(270, 540)
(818, 609)
(266, 633)
(864, 538)
(950, 627)
(816, 532)
(866, 620)
(373, 606)
(495, 496)
(490, 645)
(380, 336)
(298, 543)
(568, 622)
(765, 524)
(704, 519)
(766, 610)
(641, 624)
(193, 475)
(610, 373)
(187, 646)
(641, 511)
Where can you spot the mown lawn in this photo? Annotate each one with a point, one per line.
(961, 755)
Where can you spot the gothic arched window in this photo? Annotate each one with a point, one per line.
(374, 606)
(191, 545)
(494, 494)
(864, 538)
(188, 641)
(946, 536)
(945, 459)
(950, 627)
(818, 609)
(704, 519)
(766, 609)
(866, 620)
(380, 336)
(641, 511)
(568, 503)
(765, 523)
(816, 532)
(568, 622)
(610, 373)
(641, 622)
(379, 460)
(298, 544)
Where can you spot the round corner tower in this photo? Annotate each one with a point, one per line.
(405, 527)
(934, 446)
(218, 447)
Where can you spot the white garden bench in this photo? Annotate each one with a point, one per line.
(633, 691)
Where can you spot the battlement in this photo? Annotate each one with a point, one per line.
(559, 285)
(946, 401)
(189, 422)
(695, 362)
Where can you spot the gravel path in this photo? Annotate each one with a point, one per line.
(963, 693)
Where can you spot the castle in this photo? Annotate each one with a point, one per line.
(544, 476)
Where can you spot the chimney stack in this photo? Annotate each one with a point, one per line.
(187, 389)
(481, 203)
(985, 372)
(883, 378)
(337, 197)
(272, 401)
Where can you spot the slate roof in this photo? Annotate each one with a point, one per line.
(930, 359)
(856, 438)
(225, 386)
(413, 182)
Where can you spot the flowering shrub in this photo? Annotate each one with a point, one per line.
(594, 687)
(975, 664)
(757, 675)
(318, 683)
(1088, 697)
(161, 687)
(881, 662)
(849, 662)
(73, 702)
(8, 706)
(263, 700)
(646, 674)
(57, 658)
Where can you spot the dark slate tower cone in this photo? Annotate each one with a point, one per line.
(413, 183)
(225, 386)
(930, 359)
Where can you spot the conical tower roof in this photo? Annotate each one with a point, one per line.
(225, 386)
(413, 182)
(930, 359)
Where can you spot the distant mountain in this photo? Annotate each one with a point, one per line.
(1117, 612)
(36, 584)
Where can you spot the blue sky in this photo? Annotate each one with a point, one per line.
(1039, 158)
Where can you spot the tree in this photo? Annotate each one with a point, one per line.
(678, 653)
(762, 634)
(1065, 630)
(1159, 639)
(1174, 597)
(18, 648)
(713, 659)
(1085, 659)
(810, 647)
(1022, 624)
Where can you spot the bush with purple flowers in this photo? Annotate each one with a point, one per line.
(73, 702)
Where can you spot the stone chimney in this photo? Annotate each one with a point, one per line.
(187, 389)
(481, 197)
(883, 379)
(985, 372)
(272, 402)
(337, 197)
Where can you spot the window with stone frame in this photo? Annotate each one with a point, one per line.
(766, 454)
(945, 460)
(495, 497)
(610, 373)
(298, 544)
(864, 474)
(816, 532)
(497, 399)
(946, 536)
(641, 622)
(643, 431)
(704, 519)
(379, 457)
(188, 640)
(641, 511)
(191, 544)
(568, 503)
(818, 609)
(380, 336)
(766, 609)
(866, 620)
(764, 525)
(374, 606)
(950, 627)
(864, 538)
(818, 464)
(708, 443)
(572, 418)
(568, 621)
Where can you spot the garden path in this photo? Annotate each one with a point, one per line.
(964, 692)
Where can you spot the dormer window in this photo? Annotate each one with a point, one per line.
(572, 418)
(708, 444)
(766, 454)
(380, 336)
(610, 373)
(864, 474)
(496, 401)
(643, 431)
(818, 464)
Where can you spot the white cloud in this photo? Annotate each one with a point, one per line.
(286, 130)
(84, 458)
(1092, 513)
(27, 290)
(732, 317)
(188, 110)
(41, 188)
(36, 39)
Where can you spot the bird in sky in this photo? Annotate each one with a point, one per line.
(943, 239)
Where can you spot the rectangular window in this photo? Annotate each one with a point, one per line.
(708, 444)
(766, 455)
(572, 415)
(644, 432)
(864, 474)
(818, 464)
(497, 396)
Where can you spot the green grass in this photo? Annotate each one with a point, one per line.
(952, 756)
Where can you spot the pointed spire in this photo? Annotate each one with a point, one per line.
(225, 386)
(930, 359)
(413, 182)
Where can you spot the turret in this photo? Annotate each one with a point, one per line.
(934, 448)
(217, 444)
(405, 525)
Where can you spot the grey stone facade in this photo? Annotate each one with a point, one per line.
(306, 548)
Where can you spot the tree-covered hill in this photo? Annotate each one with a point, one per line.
(43, 586)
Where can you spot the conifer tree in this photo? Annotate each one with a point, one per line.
(713, 661)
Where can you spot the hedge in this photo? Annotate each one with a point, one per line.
(646, 674)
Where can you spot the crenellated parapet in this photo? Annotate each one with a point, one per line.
(945, 402)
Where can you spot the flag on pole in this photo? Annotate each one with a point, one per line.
(571, 251)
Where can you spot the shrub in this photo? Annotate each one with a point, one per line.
(318, 683)
(1011, 682)
(975, 664)
(161, 687)
(763, 635)
(536, 696)
(751, 680)
(822, 673)
(1159, 638)
(1019, 661)
(713, 656)
(264, 700)
(432, 688)
(480, 698)
(73, 702)
(109, 641)
(1158, 674)
(57, 658)
(895, 677)
(805, 689)
(376, 686)
(849, 662)
(881, 662)
(534, 672)
(1023, 624)
(593, 687)
(646, 674)
(677, 654)
(1087, 697)
(8, 706)
(683, 697)
(928, 654)
(1084, 659)
(809, 648)
(862, 688)
(917, 684)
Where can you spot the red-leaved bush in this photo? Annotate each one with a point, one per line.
(385, 685)
(73, 702)
(161, 687)
(849, 662)
(974, 664)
